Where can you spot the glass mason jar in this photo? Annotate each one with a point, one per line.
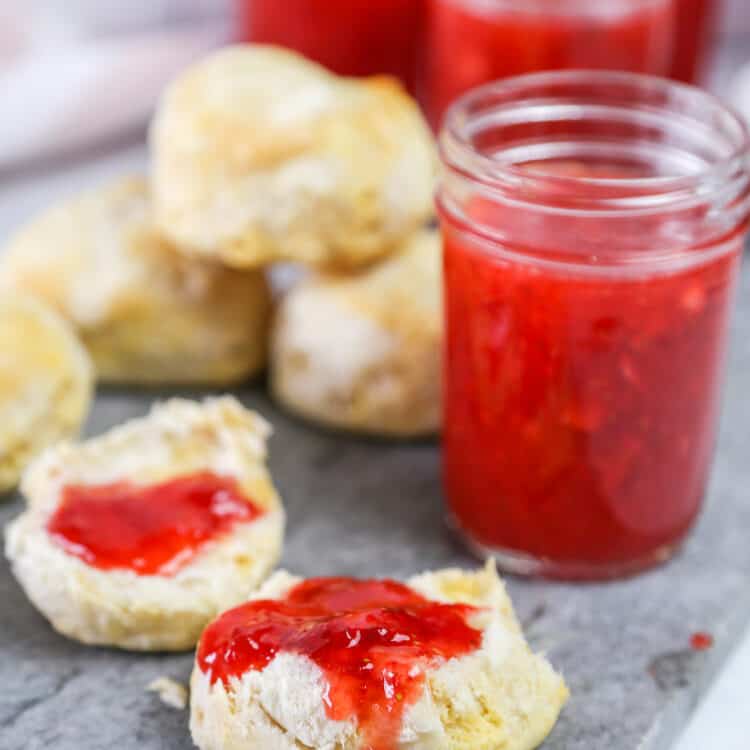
(593, 224)
(471, 42)
(351, 37)
(695, 29)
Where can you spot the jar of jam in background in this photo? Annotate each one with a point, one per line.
(696, 27)
(351, 37)
(593, 225)
(471, 42)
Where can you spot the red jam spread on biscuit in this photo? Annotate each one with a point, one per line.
(150, 529)
(373, 641)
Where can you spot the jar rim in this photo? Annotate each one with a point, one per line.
(460, 154)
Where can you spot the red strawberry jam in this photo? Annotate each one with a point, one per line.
(372, 640)
(151, 529)
(580, 410)
(593, 225)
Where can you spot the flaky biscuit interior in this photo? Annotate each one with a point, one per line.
(501, 696)
(150, 612)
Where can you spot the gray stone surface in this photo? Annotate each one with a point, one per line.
(368, 508)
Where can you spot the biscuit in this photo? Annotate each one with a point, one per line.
(362, 351)
(500, 695)
(45, 383)
(146, 315)
(121, 606)
(260, 155)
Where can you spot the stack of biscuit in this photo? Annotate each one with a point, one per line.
(258, 156)
(261, 157)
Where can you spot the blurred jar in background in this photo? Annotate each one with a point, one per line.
(471, 42)
(351, 37)
(696, 20)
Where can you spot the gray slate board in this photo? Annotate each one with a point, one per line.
(367, 508)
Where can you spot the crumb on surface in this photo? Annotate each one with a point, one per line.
(170, 692)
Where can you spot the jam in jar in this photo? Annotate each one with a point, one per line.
(593, 225)
(351, 37)
(471, 42)
(694, 31)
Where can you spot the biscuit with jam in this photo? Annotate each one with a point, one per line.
(439, 663)
(139, 537)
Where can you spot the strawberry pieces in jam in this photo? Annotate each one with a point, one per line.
(149, 529)
(373, 641)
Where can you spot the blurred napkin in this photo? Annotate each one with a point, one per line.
(65, 90)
